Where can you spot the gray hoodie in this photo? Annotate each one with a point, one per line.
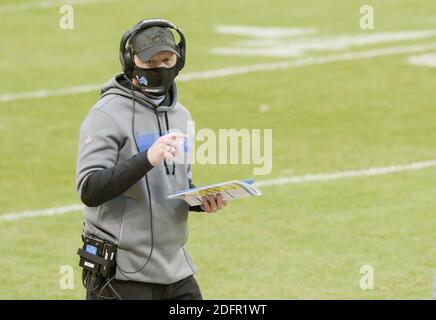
(150, 230)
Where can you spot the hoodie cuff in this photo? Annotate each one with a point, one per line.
(144, 159)
(196, 209)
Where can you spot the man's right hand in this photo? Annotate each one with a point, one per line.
(166, 146)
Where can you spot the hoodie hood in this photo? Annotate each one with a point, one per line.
(120, 86)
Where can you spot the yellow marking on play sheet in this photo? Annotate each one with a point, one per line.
(217, 189)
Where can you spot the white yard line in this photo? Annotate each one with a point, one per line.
(264, 32)
(17, 7)
(376, 171)
(283, 46)
(49, 93)
(226, 72)
(40, 213)
(425, 60)
(347, 56)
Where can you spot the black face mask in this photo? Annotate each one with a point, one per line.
(156, 81)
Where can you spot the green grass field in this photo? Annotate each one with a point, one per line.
(298, 241)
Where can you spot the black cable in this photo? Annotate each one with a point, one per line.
(108, 284)
(158, 122)
(147, 184)
(114, 291)
(133, 117)
(96, 279)
(88, 282)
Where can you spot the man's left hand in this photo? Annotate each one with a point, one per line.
(212, 204)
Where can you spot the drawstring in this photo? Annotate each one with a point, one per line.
(160, 134)
(168, 129)
(166, 121)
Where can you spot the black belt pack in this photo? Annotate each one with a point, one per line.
(98, 256)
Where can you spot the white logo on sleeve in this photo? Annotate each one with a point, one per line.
(88, 140)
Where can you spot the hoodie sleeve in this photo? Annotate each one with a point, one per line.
(100, 176)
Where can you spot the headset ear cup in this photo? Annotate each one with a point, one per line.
(128, 62)
(123, 64)
(182, 56)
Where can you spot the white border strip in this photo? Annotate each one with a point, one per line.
(226, 72)
(264, 183)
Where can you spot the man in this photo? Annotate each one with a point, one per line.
(126, 170)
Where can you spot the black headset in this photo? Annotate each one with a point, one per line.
(126, 54)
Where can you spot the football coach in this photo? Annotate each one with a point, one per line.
(126, 169)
